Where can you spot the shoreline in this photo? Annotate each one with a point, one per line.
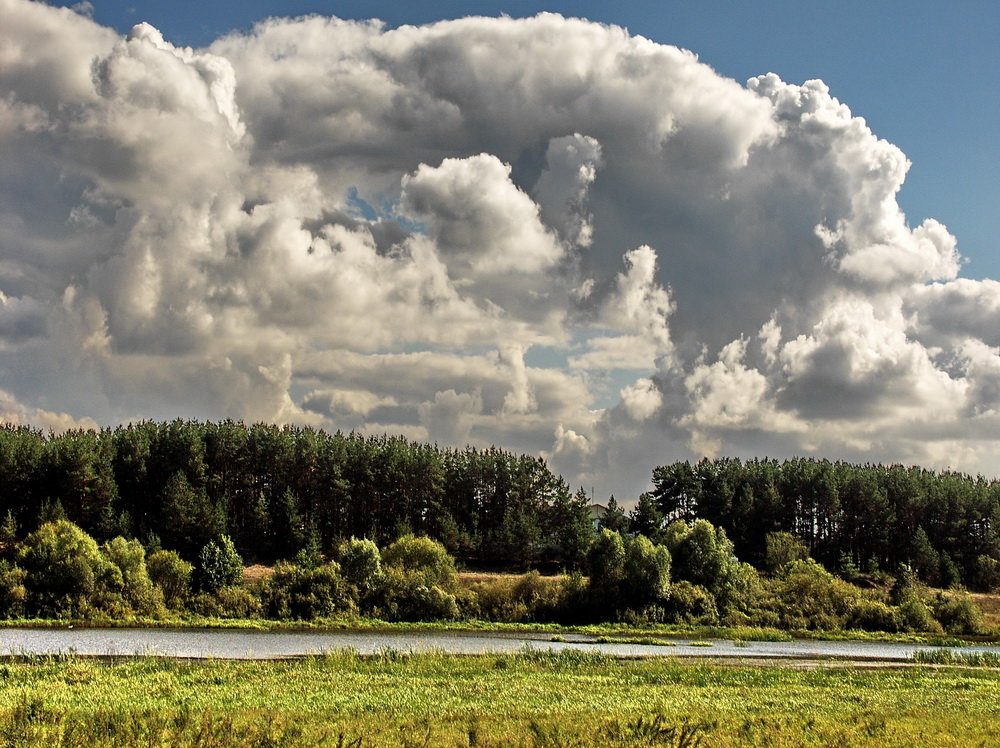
(362, 625)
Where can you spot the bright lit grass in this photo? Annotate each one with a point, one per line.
(536, 699)
(951, 657)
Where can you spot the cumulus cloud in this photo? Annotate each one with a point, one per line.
(542, 233)
(18, 414)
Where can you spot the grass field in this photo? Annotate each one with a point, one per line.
(530, 700)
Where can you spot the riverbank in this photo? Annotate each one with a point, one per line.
(616, 630)
(530, 699)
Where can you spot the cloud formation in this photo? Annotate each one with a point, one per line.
(545, 234)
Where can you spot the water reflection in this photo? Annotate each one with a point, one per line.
(241, 644)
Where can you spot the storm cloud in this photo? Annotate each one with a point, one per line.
(545, 234)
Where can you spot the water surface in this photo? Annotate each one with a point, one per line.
(250, 645)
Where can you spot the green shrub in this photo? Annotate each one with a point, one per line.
(219, 565)
(986, 573)
(647, 573)
(361, 565)
(425, 557)
(205, 604)
(492, 600)
(138, 591)
(305, 594)
(736, 589)
(704, 555)
(238, 602)
(809, 597)
(647, 615)
(13, 593)
(172, 575)
(690, 603)
(408, 597)
(65, 571)
(873, 615)
(781, 549)
(958, 613)
(606, 569)
(540, 597)
(572, 600)
(914, 615)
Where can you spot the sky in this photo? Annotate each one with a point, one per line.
(615, 237)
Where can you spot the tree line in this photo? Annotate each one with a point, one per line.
(945, 526)
(280, 491)
(276, 491)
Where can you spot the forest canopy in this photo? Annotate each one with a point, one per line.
(281, 492)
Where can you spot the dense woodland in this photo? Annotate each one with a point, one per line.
(946, 526)
(160, 520)
(279, 490)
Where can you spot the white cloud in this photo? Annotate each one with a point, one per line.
(571, 164)
(16, 414)
(473, 231)
(641, 400)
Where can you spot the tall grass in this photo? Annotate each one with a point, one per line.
(951, 657)
(569, 698)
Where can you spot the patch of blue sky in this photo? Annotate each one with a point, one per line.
(381, 208)
(605, 384)
(359, 207)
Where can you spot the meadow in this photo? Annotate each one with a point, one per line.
(394, 699)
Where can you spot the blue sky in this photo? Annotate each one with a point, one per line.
(924, 74)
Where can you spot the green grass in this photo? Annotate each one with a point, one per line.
(951, 657)
(647, 640)
(532, 699)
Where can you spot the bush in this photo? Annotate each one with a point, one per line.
(138, 591)
(873, 615)
(572, 600)
(736, 589)
(227, 602)
(647, 573)
(305, 594)
(425, 557)
(781, 549)
(914, 615)
(492, 600)
(809, 597)
(703, 555)
(361, 565)
(13, 593)
(237, 602)
(65, 574)
(206, 604)
(606, 569)
(172, 575)
(986, 573)
(958, 613)
(219, 565)
(530, 597)
(699, 556)
(408, 597)
(690, 603)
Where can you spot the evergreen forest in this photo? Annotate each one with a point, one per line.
(156, 517)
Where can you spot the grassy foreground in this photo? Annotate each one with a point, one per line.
(343, 699)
